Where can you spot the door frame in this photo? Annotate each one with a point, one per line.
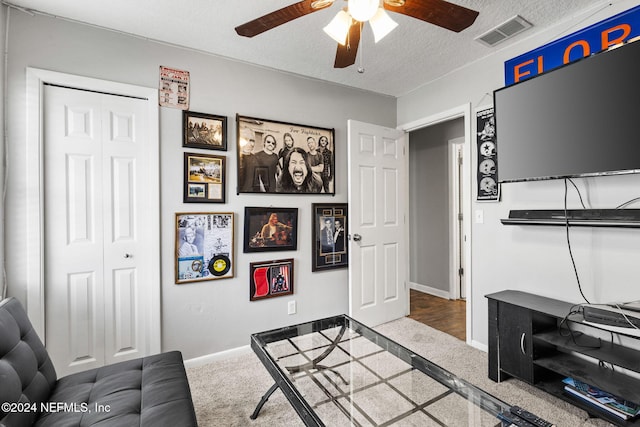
(454, 146)
(464, 111)
(34, 197)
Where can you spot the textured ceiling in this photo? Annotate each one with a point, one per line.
(414, 54)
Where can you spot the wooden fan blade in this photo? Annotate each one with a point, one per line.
(278, 17)
(346, 55)
(438, 12)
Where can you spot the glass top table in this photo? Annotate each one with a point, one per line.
(339, 372)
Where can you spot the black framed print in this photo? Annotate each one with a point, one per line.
(281, 157)
(207, 131)
(270, 229)
(329, 236)
(204, 178)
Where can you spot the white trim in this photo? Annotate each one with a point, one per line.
(426, 289)
(479, 346)
(455, 151)
(463, 110)
(216, 357)
(35, 80)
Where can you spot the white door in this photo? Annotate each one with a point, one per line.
(377, 214)
(95, 242)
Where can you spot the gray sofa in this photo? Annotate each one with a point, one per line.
(150, 391)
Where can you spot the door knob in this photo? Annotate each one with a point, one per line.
(357, 237)
(128, 255)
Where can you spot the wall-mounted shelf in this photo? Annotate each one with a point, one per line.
(629, 218)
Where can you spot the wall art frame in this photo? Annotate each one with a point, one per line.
(286, 158)
(206, 131)
(330, 236)
(204, 178)
(269, 279)
(270, 229)
(205, 246)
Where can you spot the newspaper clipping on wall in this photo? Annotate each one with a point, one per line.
(174, 88)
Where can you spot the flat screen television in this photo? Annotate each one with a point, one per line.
(582, 119)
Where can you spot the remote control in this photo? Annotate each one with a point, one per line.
(529, 417)
(514, 420)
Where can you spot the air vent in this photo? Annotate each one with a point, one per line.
(504, 31)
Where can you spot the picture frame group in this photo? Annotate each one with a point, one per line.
(281, 157)
(270, 229)
(204, 246)
(330, 236)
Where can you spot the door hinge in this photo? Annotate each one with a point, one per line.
(461, 271)
(460, 216)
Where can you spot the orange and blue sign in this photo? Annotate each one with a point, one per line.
(588, 41)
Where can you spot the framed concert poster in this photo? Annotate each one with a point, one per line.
(207, 131)
(204, 178)
(204, 246)
(288, 158)
(270, 279)
(329, 236)
(270, 229)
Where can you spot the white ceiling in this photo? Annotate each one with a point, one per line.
(414, 54)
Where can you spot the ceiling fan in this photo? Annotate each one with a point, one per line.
(346, 27)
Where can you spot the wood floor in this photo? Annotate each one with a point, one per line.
(442, 314)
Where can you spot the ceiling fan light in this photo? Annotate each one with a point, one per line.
(382, 24)
(318, 4)
(339, 26)
(363, 10)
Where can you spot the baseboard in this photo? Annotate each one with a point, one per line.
(429, 290)
(479, 346)
(215, 357)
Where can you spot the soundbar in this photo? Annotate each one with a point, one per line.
(611, 316)
(575, 217)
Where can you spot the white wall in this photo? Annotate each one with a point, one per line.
(536, 259)
(210, 316)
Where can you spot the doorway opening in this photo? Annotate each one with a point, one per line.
(437, 226)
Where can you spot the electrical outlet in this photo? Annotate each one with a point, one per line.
(291, 308)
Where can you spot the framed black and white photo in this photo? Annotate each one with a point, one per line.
(204, 246)
(330, 246)
(270, 229)
(204, 178)
(207, 131)
(288, 158)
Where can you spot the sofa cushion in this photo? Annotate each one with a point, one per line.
(150, 391)
(26, 372)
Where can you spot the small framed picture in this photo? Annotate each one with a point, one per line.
(204, 178)
(271, 279)
(204, 246)
(205, 131)
(270, 229)
(330, 245)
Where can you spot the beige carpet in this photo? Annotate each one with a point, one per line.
(226, 392)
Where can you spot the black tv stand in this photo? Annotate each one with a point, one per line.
(576, 217)
(524, 342)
